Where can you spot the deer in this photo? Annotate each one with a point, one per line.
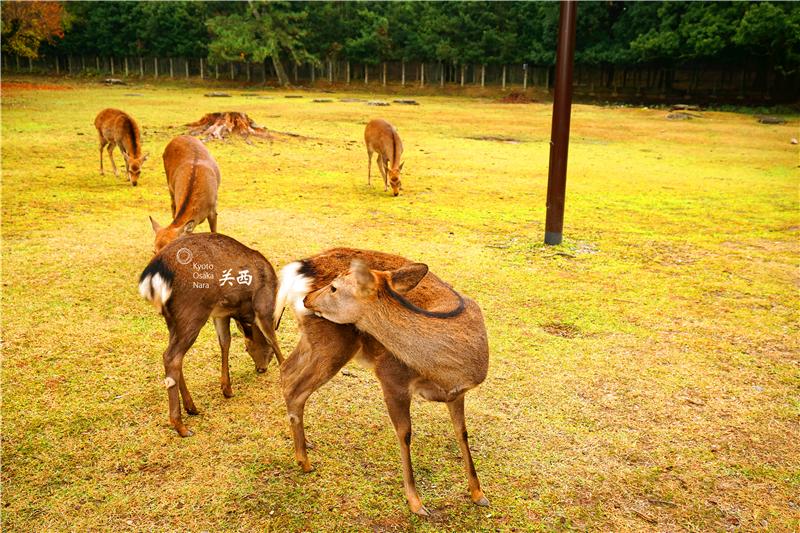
(117, 128)
(382, 137)
(210, 275)
(417, 334)
(193, 179)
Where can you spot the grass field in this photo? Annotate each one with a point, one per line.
(643, 375)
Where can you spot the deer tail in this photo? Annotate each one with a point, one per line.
(155, 283)
(295, 282)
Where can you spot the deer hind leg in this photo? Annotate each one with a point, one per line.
(223, 327)
(103, 143)
(369, 166)
(395, 379)
(111, 146)
(324, 348)
(212, 221)
(263, 305)
(456, 408)
(180, 340)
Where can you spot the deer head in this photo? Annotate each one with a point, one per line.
(164, 236)
(351, 296)
(394, 178)
(134, 166)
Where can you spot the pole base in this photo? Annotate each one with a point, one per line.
(552, 237)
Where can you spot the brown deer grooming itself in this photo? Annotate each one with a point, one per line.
(193, 179)
(417, 334)
(117, 128)
(210, 275)
(381, 137)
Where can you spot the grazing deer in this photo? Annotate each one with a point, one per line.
(193, 179)
(418, 335)
(381, 137)
(210, 275)
(117, 128)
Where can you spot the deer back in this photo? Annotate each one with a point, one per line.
(117, 126)
(381, 137)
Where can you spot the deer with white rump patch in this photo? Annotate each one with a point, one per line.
(193, 179)
(210, 275)
(381, 137)
(417, 333)
(117, 128)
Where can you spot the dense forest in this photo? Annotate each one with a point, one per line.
(760, 37)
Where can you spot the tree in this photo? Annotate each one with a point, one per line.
(258, 30)
(25, 25)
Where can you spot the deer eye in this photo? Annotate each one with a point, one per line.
(333, 289)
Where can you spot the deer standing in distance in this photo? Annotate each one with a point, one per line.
(117, 128)
(381, 137)
(210, 275)
(417, 334)
(193, 178)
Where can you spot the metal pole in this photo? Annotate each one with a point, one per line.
(559, 136)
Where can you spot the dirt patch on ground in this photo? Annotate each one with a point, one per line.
(516, 97)
(495, 138)
(25, 86)
(561, 329)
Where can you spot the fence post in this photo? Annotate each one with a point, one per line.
(155, 64)
(347, 68)
(384, 73)
(30, 65)
(462, 73)
(403, 73)
(330, 71)
(483, 75)
(313, 73)
(504, 77)
(69, 64)
(294, 68)
(186, 63)
(216, 71)
(202, 71)
(263, 73)
(141, 67)
(366, 73)
(171, 69)
(248, 71)
(441, 74)
(422, 75)
(97, 62)
(58, 66)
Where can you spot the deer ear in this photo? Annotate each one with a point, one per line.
(365, 279)
(188, 227)
(145, 157)
(401, 165)
(155, 225)
(406, 278)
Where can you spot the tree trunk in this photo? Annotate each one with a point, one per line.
(283, 79)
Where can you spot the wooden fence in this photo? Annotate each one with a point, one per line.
(615, 83)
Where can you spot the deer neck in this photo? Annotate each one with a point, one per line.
(404, 331)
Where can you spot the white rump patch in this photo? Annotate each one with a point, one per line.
(292, 290)
(155, 289)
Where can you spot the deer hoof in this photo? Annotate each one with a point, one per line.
(422, 511)
(482, 502)
(192, 411)
(306, 466)
(227, 392)
(183, 431)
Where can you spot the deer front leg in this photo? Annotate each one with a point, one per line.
(324, 348)
(223, 327)
(212, 222)
(456, 408)
(395, 378)
(382, 168)
(173, 362)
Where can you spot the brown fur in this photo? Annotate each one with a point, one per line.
(381, 137)
(187, 307)
(438, 358)
(193, 179)
(117, 128)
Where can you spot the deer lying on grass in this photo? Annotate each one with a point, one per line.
(381, 137)
(210, 275)
(417, 334)
(193, 179)
(117, 128)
